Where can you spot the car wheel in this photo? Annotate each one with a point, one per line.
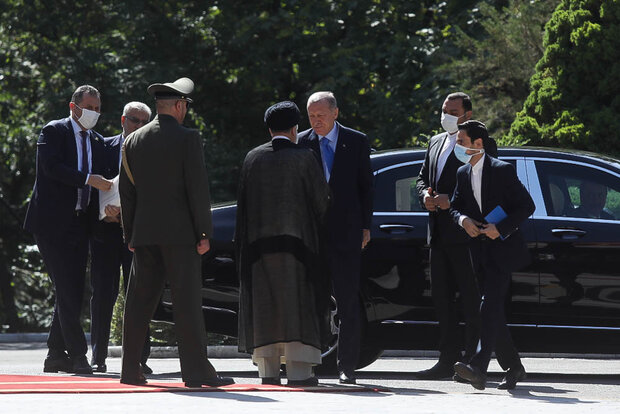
(368, 353)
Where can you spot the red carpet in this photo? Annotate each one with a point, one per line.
(35, 384)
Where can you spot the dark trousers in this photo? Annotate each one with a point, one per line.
(65, 256)
(344, 267)
(494, 335)
(452, 270)
(108, 254)
(152, 267)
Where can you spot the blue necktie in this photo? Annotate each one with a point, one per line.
(86, 188)
(327, 154)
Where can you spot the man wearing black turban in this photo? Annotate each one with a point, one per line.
(283, 314)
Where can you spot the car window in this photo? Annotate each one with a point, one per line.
(577, 191)
(395, 189)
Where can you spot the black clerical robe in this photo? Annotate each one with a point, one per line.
(284, 293)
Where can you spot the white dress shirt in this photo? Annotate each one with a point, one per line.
(80, 161)
(445, 152)
(476, 185)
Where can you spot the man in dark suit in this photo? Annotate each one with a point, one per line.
(490, 203)
(166, 216)
(108, 251)
(344, 155)
(449, 251)
(60, 215)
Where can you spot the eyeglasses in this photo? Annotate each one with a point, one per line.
(137, 120)
(187, 102)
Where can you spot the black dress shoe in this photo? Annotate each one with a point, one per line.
(146, 369)
(440, 370)
(139, 380)
(99, 367)
(216, 381)
(346, 377)
(458, 378)
(513, 375)
(271, 381)
(308, 382)
(80, 365)
(472, 374)
(57, 363)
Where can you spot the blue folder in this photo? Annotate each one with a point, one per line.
(495, 216)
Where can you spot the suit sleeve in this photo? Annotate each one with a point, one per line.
(457, 202)
(424, 176)
(365, 181)
(49, 150)
(519, 204)
(197, 187)
(317, 188)
(127, 192)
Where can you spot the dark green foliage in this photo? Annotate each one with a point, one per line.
(575, 93)
(495, 58)
(381, 58)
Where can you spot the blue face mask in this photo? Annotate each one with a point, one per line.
(461, 153)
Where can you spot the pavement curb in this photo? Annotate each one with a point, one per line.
(231, 351)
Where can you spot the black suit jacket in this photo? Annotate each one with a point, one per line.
(441, 227)
(500, 186)
(351, 184)
(58, 179)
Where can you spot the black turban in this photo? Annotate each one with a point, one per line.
(282, 116)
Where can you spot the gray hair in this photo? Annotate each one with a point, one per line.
(84, 90)
(323, 96)
(137, 105)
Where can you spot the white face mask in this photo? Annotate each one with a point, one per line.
(89, 118)
(449, 123)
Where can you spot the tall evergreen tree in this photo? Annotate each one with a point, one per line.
(575, 94)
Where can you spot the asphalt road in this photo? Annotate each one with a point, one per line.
(554, 385)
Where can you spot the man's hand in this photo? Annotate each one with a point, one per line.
(112, 214)
(471, 227)
(442, 201)
(365, 238)
(131, 249)
(97, 181)
(203, 246)
(429, 199)
(490, 231)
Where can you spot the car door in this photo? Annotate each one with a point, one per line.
(395, 265)
(523, 300)
(578, 233)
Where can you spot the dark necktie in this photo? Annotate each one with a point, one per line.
(86, 188)
(327, 153)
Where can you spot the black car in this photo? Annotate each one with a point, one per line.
(567, 300)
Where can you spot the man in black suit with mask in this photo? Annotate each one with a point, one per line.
(60, 215)
(490, 203)
(449, 252)
(344, 155)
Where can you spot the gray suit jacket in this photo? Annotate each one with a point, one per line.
(169, 203)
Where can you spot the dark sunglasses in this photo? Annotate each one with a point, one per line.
(136, 120)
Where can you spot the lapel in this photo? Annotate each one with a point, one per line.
(484, 186)
(341, 148)
(313, 140)
(434, 156)
(71, 145)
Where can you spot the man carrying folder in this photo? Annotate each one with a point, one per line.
(490, 203)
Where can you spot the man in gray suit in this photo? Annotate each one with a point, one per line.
(166, 216)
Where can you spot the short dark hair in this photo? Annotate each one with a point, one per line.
(84, 90)
(475, 130)
(464, 97)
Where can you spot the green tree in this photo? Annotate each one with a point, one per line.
(496, 53)
(575, 94)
